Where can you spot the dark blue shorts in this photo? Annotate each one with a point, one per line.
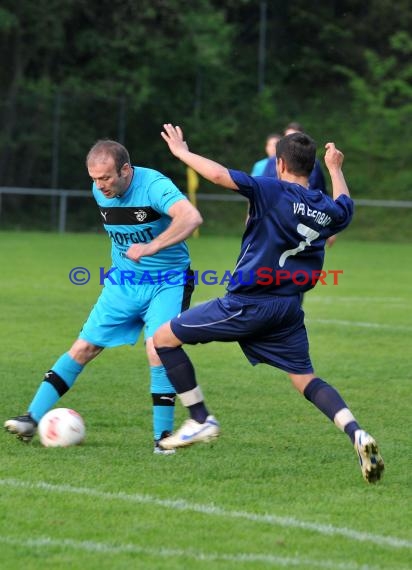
(270, 330)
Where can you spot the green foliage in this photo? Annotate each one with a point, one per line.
(8, 21)
(381, 97)
(74, 71)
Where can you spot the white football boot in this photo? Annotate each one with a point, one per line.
(192, 432)
(371, 462)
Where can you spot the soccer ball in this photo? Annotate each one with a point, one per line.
(61, 427)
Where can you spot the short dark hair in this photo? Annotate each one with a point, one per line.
(295, 126)
(298, 150)
(107, 147)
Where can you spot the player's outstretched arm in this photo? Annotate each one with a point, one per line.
(209, 169)
(185, 219)
(334, 160)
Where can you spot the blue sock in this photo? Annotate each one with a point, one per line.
(163, 398)
(57, 382)
(329, 401)
(324, 397)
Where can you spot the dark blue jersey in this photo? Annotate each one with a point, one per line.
(283, 245)
(317, 178)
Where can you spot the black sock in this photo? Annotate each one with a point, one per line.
(324, 397)
(198, 412)
(181, 374)
(179, 368)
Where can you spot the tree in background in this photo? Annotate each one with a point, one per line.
(73, 71)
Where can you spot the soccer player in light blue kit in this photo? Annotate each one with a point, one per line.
(147, 219)
(281, 254)
(270, 148)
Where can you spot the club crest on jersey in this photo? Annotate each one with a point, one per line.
(128, 215)
(141, 215)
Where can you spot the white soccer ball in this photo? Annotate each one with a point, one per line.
(61, 427)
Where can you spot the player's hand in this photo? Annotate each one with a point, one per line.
(333, 156)
(139, 250)
(174, 138)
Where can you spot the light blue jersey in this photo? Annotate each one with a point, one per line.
(139, 216)
(142, 294)
(259, 167)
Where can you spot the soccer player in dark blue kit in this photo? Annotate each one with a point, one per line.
(283, 248)
(147, 219)
(316, 180)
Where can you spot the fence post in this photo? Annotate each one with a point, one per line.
(55, 154)
(62, 212)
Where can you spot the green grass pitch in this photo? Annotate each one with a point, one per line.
(281, 488)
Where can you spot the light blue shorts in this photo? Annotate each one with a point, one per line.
(122, 311)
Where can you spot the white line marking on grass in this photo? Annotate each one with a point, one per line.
(340, 299)
(400, 328)
(356, 324)
(182, 505)
(108, 548)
